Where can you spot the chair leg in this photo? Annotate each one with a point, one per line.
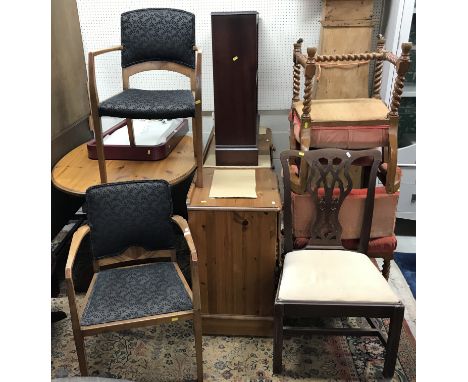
(278, 340)
(292, 138)
(100, 147)
(386, 268)
(198, 147)
(131, 133)
(390, 185)
(197, 326)
(393, 342)
(77, 334)
(80, 352)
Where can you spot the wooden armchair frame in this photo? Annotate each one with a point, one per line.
(130, 257)
(310, 62)
(195, 86)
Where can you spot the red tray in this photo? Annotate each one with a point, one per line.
(146, 153)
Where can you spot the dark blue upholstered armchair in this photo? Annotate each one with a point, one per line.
(152, 39)
(131, 230)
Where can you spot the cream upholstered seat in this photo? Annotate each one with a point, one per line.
(333, 276)
(345, 110)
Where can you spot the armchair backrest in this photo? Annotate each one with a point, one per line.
(329, 182)
(127, 214)
(312, 64)
(158, 34)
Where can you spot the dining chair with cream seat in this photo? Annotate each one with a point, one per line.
(324, 279)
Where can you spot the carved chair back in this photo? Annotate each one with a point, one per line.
(329, 182)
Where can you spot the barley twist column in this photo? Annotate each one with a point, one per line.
(402, 67)
(296, 71)
(378, 68)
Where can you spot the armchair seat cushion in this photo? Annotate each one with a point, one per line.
(344, 137)
(333, 276)
(359, 123)
(133, 292)
(345, 110)
(149, 104)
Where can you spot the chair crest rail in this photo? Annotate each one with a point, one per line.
(301, 58)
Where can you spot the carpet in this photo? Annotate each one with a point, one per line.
(166, 353)
(407, 264)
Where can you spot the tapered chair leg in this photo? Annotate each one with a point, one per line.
(197, 148)
(100, 148)
(131, 132)
(77, 334)
(197, 325)
(278, 340)
(393, 342)
(292, 137)
(386, 268)
(80, 352)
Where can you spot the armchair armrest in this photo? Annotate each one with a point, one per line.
(183, 225)
(93, 93)
(106, 50)
(198, 78)
(300, 58)
(75, 244)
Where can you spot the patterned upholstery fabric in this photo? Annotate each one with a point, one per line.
(136, 213)
(158, 35)
(149, 104)
(133, 292)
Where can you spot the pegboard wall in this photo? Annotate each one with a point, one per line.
(281, 23)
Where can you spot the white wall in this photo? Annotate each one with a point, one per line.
(281, 23)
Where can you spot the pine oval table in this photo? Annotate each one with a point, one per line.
(75, 172)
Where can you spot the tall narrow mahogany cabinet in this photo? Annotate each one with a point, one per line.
(235, 62)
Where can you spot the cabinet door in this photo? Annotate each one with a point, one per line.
(237, 254)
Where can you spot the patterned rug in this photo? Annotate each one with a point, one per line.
(166, 353)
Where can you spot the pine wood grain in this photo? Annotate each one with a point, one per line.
(346, 28)
(268, 197)
(237, 252)
(237, 241)
(75, 172)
